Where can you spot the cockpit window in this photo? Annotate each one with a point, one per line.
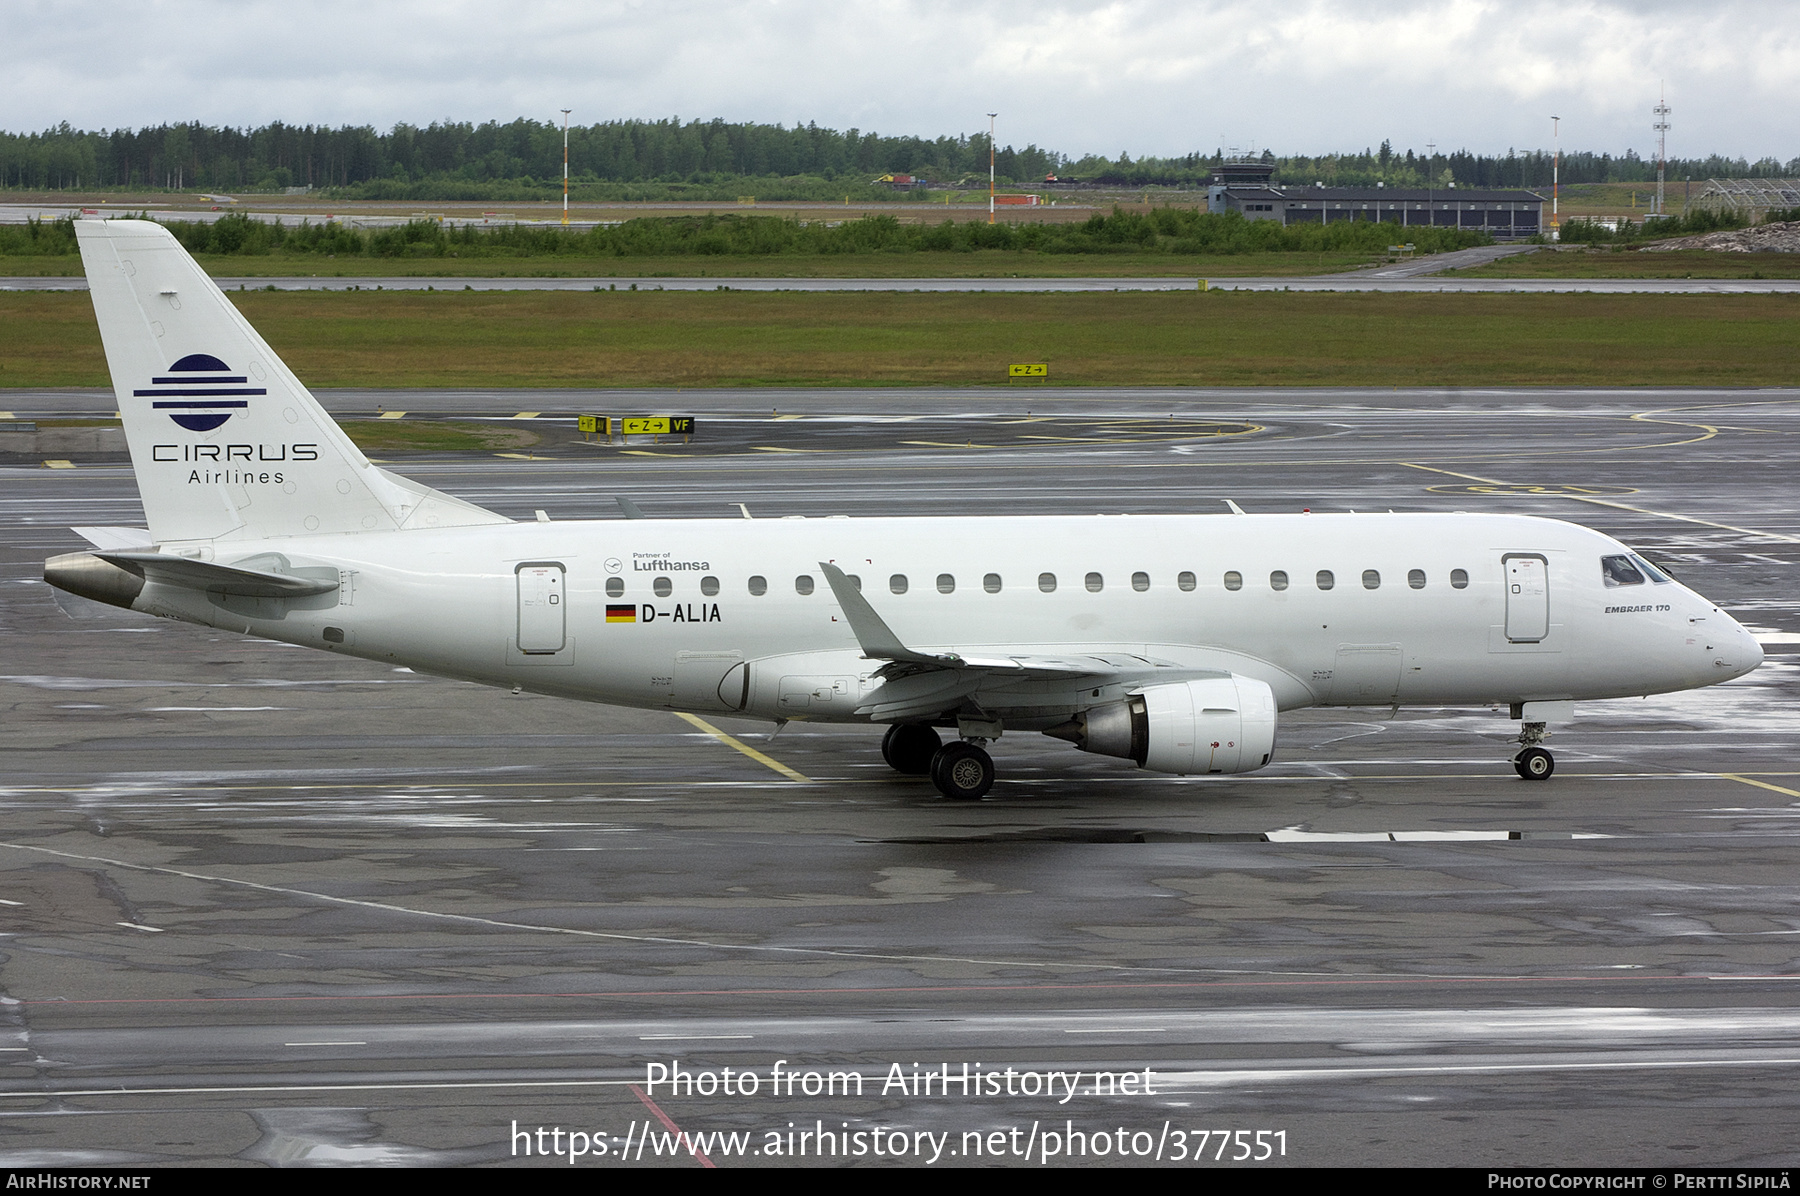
(1619, 571)
(1655, 574)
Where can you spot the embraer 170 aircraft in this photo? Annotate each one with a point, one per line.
(1170, 640)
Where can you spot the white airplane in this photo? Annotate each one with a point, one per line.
(1169, 640)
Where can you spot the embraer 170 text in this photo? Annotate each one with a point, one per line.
(1170, 640)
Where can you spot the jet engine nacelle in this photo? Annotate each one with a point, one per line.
(1220, 724)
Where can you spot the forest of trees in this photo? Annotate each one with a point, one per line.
(1163, 230)
(523, 159)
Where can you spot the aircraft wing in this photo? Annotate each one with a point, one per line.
(916, 684)
(880, 643)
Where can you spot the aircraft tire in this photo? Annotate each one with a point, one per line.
(909, 748)
(1534, 764)
(962, 771)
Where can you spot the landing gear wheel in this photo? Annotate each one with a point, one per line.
(1534, 764)
(909, 747)
(962, 771)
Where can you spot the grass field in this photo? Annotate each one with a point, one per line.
(1609, 201)
(1631, 263)
(436, 436)
(647, 338)
(982, 263)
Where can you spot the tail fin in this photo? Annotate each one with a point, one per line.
(226, 442)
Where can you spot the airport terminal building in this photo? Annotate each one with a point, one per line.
(1245, 187)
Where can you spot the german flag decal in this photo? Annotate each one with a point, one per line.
(625, 613)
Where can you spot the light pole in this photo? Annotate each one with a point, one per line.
(1430, 185)
(991, 117)
(1555, 170)
(565, 113)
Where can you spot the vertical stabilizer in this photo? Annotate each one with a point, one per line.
(226, 442)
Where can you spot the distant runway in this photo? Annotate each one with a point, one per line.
(1371, 281)
(265, 905)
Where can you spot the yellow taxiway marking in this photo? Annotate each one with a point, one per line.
(59, 464)
(392, 415)
(528, 415)
(948, 444)
(769, 448)
(7, 415)
(516, 456)
(648, 453)
(740, 745)
(1732, 776)
(1621, 506)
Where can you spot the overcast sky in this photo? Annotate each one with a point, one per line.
(1151, 77)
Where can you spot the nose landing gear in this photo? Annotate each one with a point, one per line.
(1533, 763)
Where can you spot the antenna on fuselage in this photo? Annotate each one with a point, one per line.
(1235, 509)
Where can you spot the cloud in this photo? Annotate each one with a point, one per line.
(1145, 76)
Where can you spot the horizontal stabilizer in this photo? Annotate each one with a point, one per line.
(227, 579)
(115, 539)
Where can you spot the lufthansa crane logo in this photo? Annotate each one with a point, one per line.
(199, 392)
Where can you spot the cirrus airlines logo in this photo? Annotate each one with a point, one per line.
(199, 392)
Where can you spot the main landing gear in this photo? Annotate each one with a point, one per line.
(961, 770)
(909, 747)
(1533, 763)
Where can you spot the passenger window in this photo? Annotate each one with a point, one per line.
(1325, 579)
(1140, 582)
(854, 580)
(1047, 582)
(1459, 579)
(1187, 581)
(803, 584)
(709, 586)
(662, 587)
(1233, 581)
(1371, 579)
(897, 583)
(1415, 578)
(1619, 571)
(759, 586)
(1094, 582)
(991, 583)
(1278, 580)
(946, 584)
(615, 587)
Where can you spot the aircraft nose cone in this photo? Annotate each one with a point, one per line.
(1742, 655)
(1753, 652)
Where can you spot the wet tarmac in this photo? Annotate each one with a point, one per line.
(269, 906)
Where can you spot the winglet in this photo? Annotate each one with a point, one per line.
(878, 640)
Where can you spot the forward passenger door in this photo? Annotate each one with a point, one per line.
(1527, 597)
